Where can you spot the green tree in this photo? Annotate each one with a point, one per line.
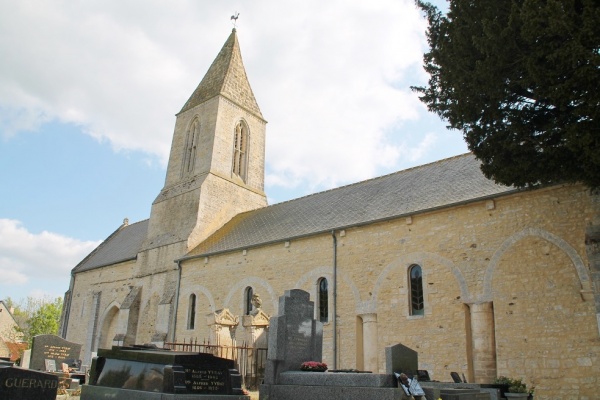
(520, 79)
(36, 316)
(46, 319)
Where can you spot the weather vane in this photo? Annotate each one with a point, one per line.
(234, 18)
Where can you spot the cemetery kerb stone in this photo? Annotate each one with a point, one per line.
(52, 347)
(25, 384)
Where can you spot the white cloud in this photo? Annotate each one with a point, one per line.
(46, 256)
(332, 78)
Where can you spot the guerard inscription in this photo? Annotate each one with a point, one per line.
(25, 384)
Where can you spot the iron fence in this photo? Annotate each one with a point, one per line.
(249, 361)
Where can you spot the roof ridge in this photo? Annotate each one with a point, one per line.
(270, 206)
(443, 183)
(374, 178)
(121, 227)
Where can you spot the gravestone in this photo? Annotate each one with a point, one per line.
(25, 384)
(52, 347)
(141, 373)
(399, 358)
(294, 335)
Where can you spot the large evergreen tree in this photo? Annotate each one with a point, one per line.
(521, 80)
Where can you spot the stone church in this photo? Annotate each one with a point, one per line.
(479, 278)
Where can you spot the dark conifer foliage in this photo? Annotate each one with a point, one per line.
(521, 80)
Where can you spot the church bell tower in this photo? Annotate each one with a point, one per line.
(216, 164)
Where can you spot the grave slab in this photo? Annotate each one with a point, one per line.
(24, 384)
(98, 392)
(436, 390)
(294, 392)
(138, 373)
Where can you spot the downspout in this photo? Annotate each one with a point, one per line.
(174, 324)
(334, 325)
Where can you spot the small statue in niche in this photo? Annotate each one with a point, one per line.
(256, 304)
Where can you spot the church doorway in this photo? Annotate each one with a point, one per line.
(109, 328)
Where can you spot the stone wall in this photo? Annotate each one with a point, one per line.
(513, 270)
(97, 314)
(522, 254)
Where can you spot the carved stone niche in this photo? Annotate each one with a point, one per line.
(222, 325)
(256, 327)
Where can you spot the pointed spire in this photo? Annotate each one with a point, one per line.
(226, 76)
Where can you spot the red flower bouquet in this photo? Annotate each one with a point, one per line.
(313, 366)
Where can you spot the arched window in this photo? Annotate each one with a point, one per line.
(248, 292)
(240, 146)
(323, 299)
(417, 304)
(192, 312)
(191, 143)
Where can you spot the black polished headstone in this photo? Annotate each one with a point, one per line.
(164, 371)
(52, 347)
(24, 384)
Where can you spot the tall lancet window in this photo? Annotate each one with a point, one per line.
(192, 312)
(240, 146)
(191, 143)
(248, 293)
(323, 299)
(417, 303)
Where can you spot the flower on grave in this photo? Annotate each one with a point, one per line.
(313, 366)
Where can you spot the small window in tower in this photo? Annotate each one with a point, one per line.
(248, 292)
(323, 299)
(240, 147)
(417, 303)
(192, 312)
(189, 153)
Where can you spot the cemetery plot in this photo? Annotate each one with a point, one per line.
(52, 347)
(23, 384)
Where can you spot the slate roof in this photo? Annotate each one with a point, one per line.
(226, 76)
(123, 245)
(428, 187)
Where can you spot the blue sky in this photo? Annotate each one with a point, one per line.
(89, 93)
